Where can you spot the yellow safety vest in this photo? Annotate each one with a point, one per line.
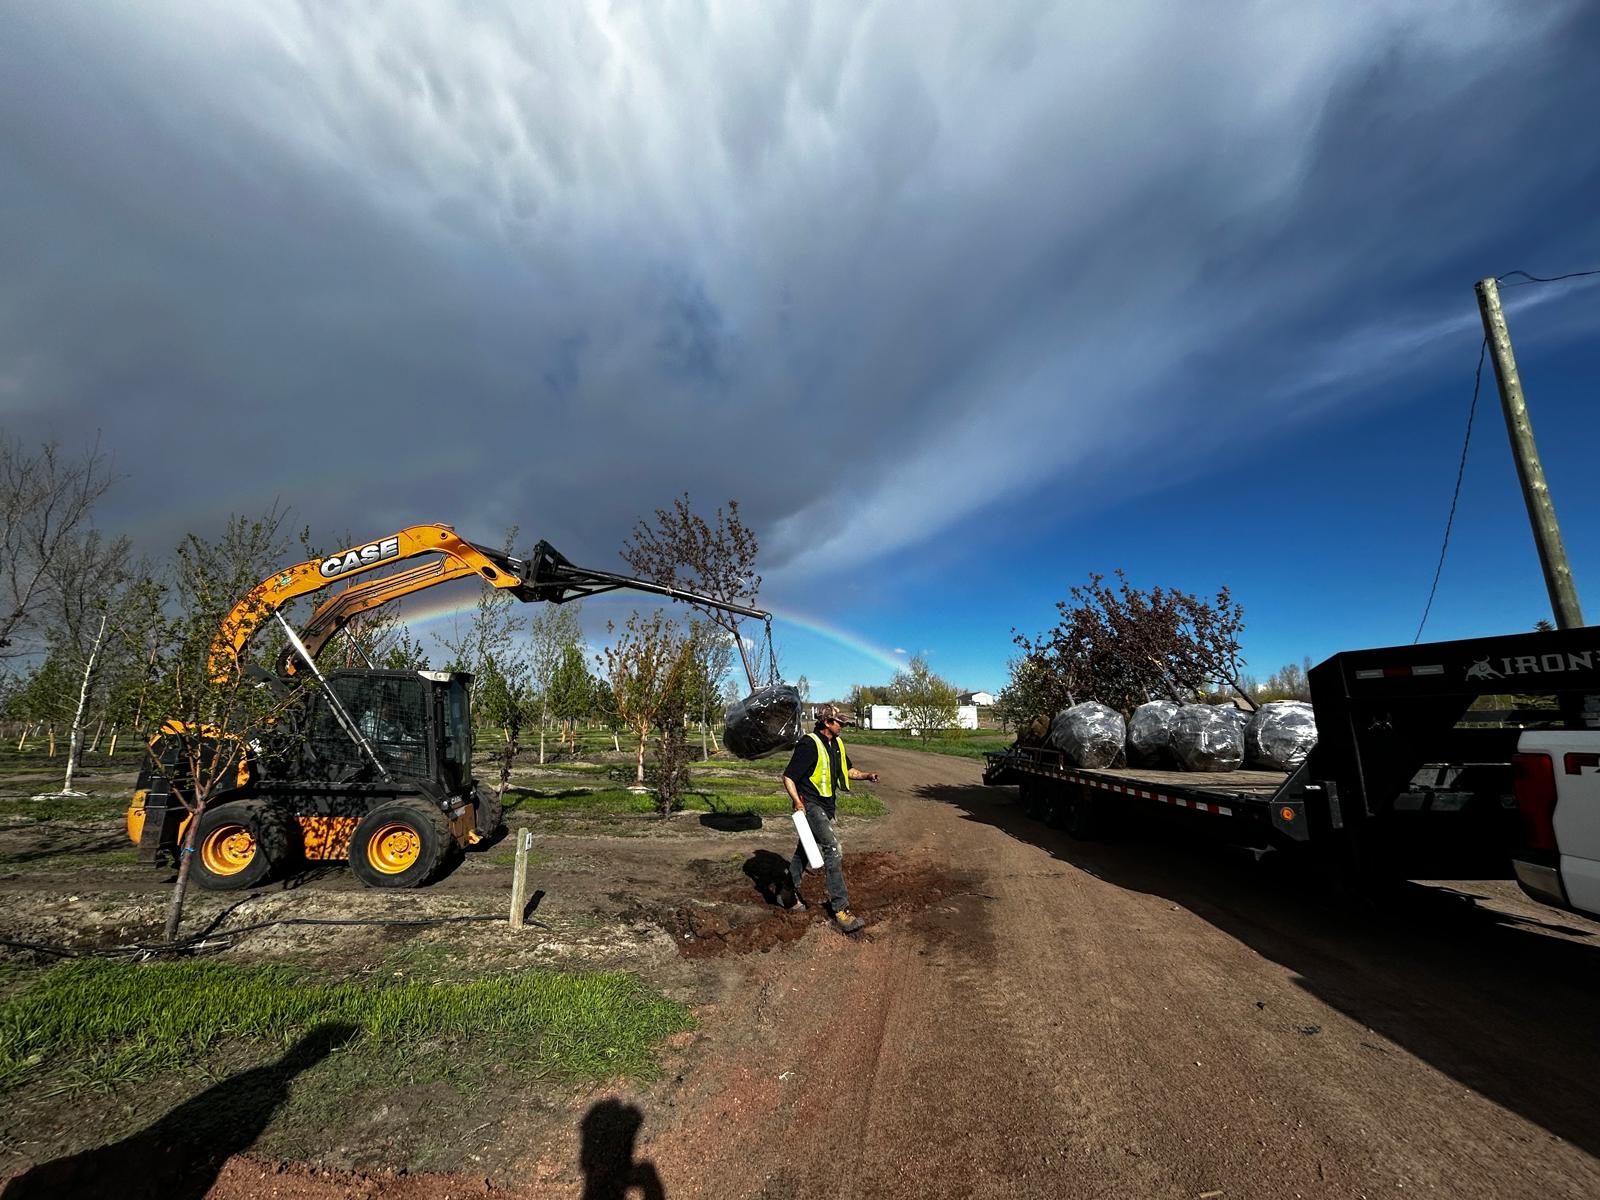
(821, 776)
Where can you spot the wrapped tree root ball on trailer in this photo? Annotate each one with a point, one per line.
(1209, 737)
(1150, 734)
(1280, 735)
(764, 722)
(1091, 735)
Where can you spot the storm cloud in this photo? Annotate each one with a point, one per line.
(898, 263)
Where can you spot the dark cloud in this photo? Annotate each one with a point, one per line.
(552, 266)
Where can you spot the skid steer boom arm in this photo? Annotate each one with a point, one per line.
(547, 575)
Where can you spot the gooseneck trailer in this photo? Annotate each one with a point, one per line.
(1415, 773)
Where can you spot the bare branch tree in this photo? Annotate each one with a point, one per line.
(684, 550)
(46, 502)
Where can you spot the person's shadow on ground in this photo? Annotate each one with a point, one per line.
(180, 1155)
(769, 872)
(609, 1131)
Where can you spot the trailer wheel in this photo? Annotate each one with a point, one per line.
(1029, 793)
(400, 844)
(1081, 819)
(234, 846)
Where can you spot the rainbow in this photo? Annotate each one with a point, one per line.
(429, 613)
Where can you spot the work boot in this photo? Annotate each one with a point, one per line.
(847, 921)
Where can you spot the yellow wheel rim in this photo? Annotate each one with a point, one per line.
(393, 848)
(228, 849)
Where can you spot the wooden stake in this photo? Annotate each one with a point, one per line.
(519, 877)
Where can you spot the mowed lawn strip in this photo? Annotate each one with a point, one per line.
(110, 1022)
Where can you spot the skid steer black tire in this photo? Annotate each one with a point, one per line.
(233, 847)
(400, 844)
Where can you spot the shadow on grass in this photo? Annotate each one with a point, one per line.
(180, 1155)
(731, 822)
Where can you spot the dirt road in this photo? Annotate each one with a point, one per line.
(1133, 1018)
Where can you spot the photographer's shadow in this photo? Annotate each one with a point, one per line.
(610, 1131)
(180, 1156)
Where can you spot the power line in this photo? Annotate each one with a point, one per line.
(1527, 278)
(1477, 379)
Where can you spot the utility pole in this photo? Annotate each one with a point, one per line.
(1535, 491)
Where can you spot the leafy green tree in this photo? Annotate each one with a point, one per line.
(645, 666)
(571, 692)
(553, 631)
(926, 702)
(505, 698)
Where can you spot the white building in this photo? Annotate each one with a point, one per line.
(887, 716)
(978, 699)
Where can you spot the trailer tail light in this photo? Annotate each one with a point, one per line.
(1535, 786)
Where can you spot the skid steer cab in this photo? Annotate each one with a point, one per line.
(374, 767)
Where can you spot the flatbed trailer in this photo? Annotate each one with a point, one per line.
(1409, 777)
(1075, 798)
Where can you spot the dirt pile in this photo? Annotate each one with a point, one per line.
(746, 919)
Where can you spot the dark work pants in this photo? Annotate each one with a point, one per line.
(832, 857)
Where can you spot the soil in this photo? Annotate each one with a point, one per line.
(1024, 1015)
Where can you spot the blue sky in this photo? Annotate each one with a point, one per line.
(960, 302)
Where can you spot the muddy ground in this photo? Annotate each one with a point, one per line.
(1024, 1016)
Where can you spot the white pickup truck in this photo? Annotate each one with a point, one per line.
(1558, 797)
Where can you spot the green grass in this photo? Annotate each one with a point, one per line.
(98, 807)
(620, 802)
(965, 743)
(104, 1023)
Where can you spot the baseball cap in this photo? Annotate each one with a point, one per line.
(832, 712)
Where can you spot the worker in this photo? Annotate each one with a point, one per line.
(818, 770)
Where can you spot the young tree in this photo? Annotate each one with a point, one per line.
(926, 701)
(554, 630)
(91, 599)
(711, 651)
(206, 697)
(645, 665)
(571, 693)
(684, 550)
(506, 699)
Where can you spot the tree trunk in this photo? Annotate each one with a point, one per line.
(75, 743)
(181, 887)
(616, 743)
(50, 739)
(99, 728)
(23, 740)
(111, 746)
(749, 671)
(644, 732)
(704, 754)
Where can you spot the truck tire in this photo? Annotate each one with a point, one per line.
(237, 845)
(400, 844)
